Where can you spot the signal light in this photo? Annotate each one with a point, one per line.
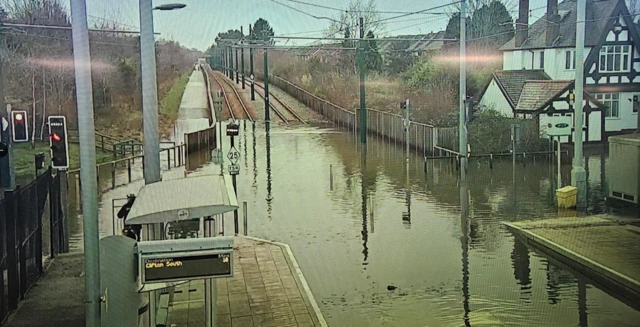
(58, 142)
(19, 127)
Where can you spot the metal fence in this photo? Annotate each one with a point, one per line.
(126, 170)
(29, 231)
(198, 147)
(386, 125)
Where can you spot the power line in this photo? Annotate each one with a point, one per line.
(113, 21)
(54, 27)
(416, 24)
(65, 39)
(415, 12)
(306, 13)
(357, 11)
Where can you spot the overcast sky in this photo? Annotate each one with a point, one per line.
(197, 25)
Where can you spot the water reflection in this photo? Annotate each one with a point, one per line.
(365, 186)
(267, 126)
(406, 215)
(522, 269)
(464, 225)
(255, 158)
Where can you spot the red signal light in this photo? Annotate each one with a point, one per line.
(55, 137)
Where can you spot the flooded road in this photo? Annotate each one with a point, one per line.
(380, 227)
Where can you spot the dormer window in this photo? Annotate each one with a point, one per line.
(615, 58)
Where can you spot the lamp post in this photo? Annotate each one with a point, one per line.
(151, 142)
(150, 90)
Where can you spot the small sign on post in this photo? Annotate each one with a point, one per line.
(233, 129)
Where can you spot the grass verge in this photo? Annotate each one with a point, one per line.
(24, 159)
(170, 104)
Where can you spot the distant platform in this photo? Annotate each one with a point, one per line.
(602, 248)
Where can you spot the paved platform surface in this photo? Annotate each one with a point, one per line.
(264, 291)
(597, 246)
(57, 300)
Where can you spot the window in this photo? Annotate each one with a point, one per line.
(612, 103)
(570, 60)
(541, 59)
(615, 58)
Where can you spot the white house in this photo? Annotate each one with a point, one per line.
(539, 68)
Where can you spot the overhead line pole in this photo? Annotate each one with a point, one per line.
(462, 126)
(88, 175)
(361, 68)
(253, 94)
(578, 173)
(242, 60)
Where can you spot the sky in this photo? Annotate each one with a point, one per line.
(197, 25)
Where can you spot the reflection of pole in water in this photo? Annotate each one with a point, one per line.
(268, 145)
(255, 160)
(582, 302)
(521, 268)
(406, 216)
(244, 143)
(552, 285)
(464, 225)
(365, 234)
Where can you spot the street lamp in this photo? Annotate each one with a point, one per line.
(170, 6)
(151, 143)
(150, 90)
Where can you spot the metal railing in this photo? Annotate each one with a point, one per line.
(198, 147)
(111, 174)
(22, 233)
(389, 126)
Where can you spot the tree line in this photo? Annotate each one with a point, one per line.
(39, 69)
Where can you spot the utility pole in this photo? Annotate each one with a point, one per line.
(7, 175)
(363, 110)
(266, 86)
(88, 176)
(253, 94)
(578, 173)
(462, 128)
(242, 58)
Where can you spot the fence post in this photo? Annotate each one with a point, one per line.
(64, 210)
(129, 169)
(115, 155)
(168, 159)
(38, 217)
(244, 212)
(52, 216)
(11, 213)
(113, 175)
(22, 257)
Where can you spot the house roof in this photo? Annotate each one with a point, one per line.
(537, 94)
(512, 82)
(598, 12)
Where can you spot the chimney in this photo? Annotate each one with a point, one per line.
(522, 23)
(552, 28)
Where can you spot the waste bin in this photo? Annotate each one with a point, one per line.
(567, 197)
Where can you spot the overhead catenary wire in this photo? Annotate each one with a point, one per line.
(356, 11)
(306, 13)
(414, 12)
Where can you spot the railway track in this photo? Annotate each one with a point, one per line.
(279, 113)
(234, 101)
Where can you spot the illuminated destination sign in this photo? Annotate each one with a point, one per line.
(186, 267)
(166, 261)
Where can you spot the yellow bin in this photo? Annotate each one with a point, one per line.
(567, 197)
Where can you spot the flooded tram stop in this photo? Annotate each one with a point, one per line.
(206, 280)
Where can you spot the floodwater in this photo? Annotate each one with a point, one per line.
(373, 225)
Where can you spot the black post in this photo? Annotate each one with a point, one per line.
(235, 189)
(253, 94)
(266, 86)
(242, 60)
(11, 214)
(237, 68)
